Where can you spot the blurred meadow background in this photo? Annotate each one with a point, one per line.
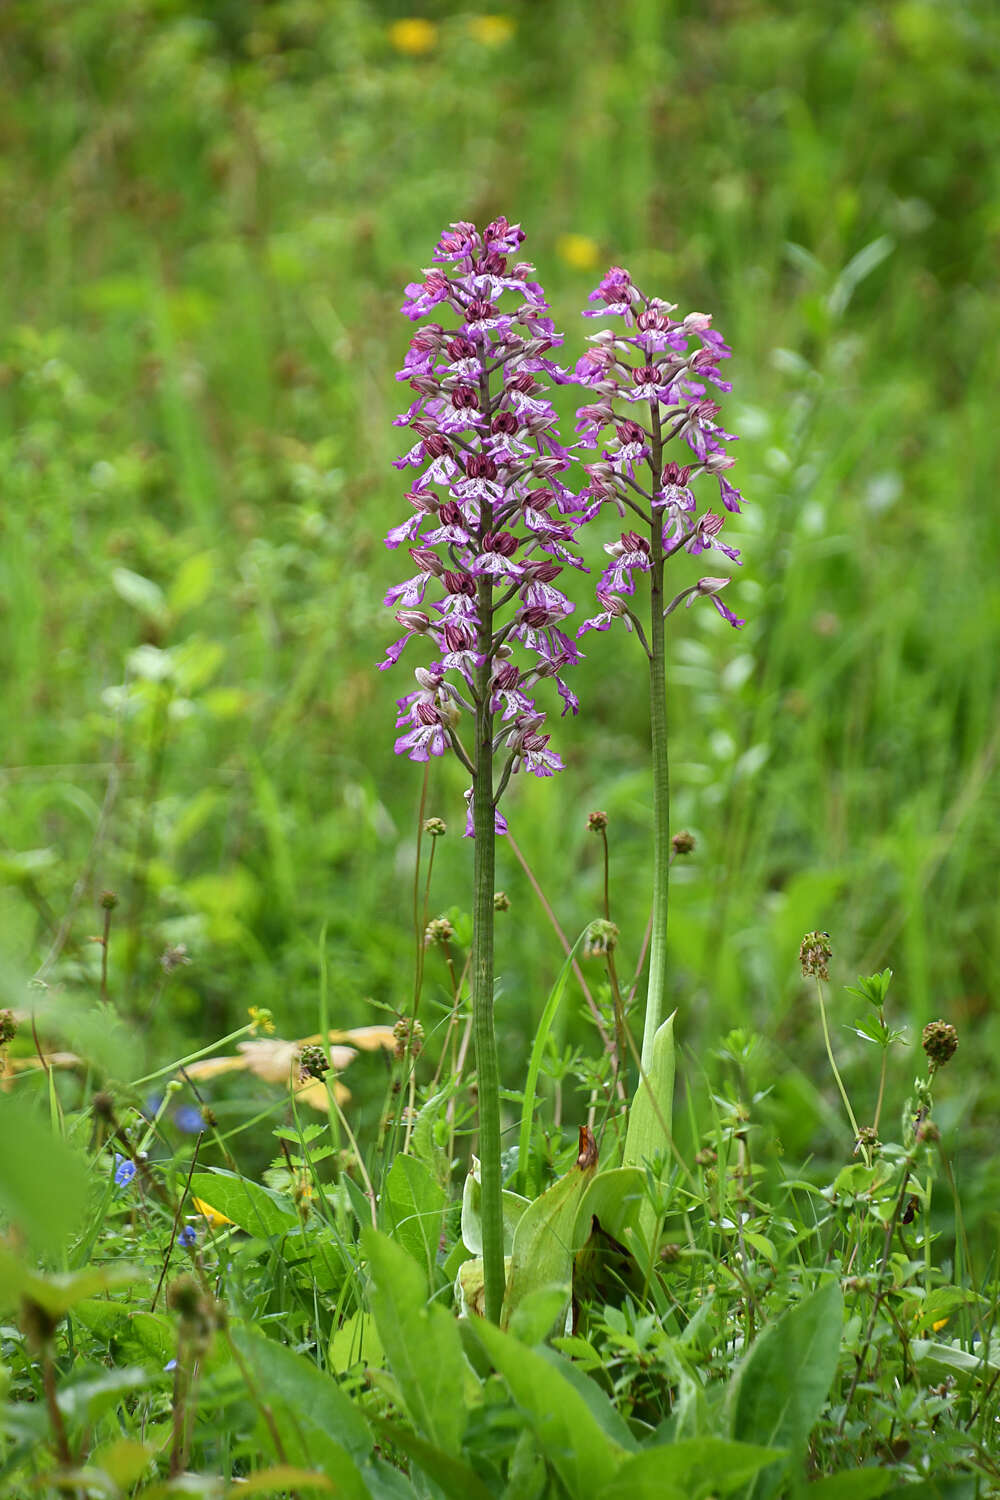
(209, 212)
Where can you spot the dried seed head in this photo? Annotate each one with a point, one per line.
(103, 1105)
(815, 952)
(597, 822)
(683, 842)
(439, 932)
(313, 1063)
(435, 828)
(108, 900)
(501, 901)
(199, 1314)
(174, 957)
(602, 938)
(409, 1036)
(939, 1041)
(868, 1140)
(37, 1323)
(184, 1296)
(8, 1027)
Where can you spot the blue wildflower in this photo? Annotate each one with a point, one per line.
(124, 1170)
(189, 1119)
(188, 1236)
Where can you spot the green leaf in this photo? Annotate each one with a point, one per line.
(43, 1183)
(413, 1206)
(545, 1239)
(852, 1484)
(857, 268)
(88, 1398)
(871, 1030)
(425, 1146)
(958, 1488)
(124, 1459)
(281, 1480)
(452, 1475)
(687, 1470)
(141, 593)
(598, 1403)
(513, 1207)
(952, 1359)
(259, 1210)
(781, 1386)
(537, 1314)
(59, 1293)
(193, 582)
(614, 1197)
(312, 1394)
(153, 1334)
(648, 1139)
(355, 1342)
(583, 1456)
(422, 1344)
(319, 1425)
(106, 1320)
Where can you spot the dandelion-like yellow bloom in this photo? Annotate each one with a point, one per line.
(491, 31)
(578, 251)
(415, 36)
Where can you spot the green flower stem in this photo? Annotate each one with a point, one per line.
(483, 916)
(836, 1070)
(175, 1067)
(656, 994)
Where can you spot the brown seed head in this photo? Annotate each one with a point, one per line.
(939, 1041)
(815, 952)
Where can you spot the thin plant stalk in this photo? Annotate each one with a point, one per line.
(482, 976)
(649, 361)
(418, 926)
(656, 992)
(482, 423)
(834, 1068)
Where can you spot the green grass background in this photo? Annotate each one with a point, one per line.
(207, 215)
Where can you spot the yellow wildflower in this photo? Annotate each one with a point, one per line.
(491, 31)
(415, 36)
(260, 1020)
(215, 1219)
(578, 251)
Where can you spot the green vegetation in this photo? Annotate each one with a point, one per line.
(208, 217)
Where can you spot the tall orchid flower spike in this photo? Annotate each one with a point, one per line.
(492, 526)
(648, 383)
